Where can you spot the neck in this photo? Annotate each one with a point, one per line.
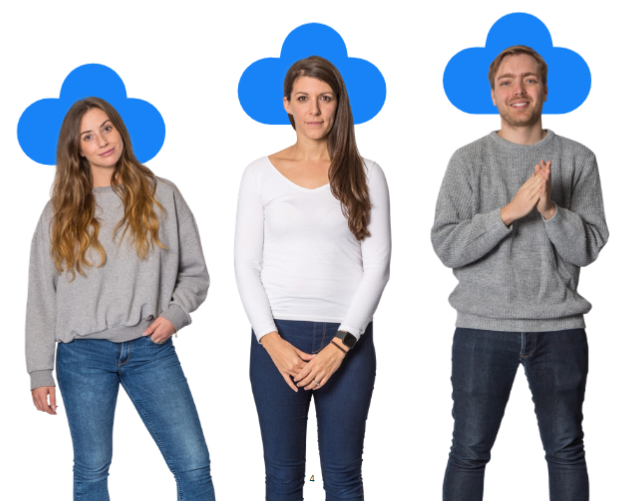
(311, 149)
(102, 176)
(529, 134)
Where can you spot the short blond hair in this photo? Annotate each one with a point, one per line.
(513, 51)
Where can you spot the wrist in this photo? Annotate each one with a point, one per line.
(506, 216)
(269, 339)
(549, 213)
(340, 347)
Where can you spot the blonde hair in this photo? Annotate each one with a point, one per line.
(512, 51)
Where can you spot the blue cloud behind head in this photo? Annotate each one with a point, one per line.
(465, 77)
(39, 125)
(260, 89)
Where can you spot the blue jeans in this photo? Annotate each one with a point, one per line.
(89, 374)
(341, 406)
(484, 367)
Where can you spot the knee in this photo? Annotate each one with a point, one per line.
(469, 457)
(94, 469)
(343, 481)
(566, 452)
(285, 477)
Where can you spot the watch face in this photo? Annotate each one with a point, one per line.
(349, 340)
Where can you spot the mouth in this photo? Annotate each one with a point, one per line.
(107, 153)
(520, 105)
(314, 124)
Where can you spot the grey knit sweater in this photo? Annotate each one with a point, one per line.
(119, 300)
(522, 278)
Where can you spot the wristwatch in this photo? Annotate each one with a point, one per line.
(346, 338)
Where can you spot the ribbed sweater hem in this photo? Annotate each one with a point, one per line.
(469, 321)
(120, 334)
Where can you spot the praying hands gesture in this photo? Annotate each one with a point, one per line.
(535, 192)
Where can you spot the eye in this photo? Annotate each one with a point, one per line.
(328, 99)
(107, 128)
(87, 138)
(302, 98)
(504, 83)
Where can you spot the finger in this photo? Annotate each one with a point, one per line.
(289, 382)
(52, 399)
(322, 381)
(308, 379)
(306, 370)
(537, 169)
(305, 356)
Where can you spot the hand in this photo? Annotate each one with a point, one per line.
(287, 358)
(39, 397)
(545, 205)
(160, 330)
(322, 367)
(524, 201)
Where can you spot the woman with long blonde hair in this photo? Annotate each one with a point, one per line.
(312, 258)
(116, 268)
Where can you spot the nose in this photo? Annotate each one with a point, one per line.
(519, 89)
(315, 107)
(102, 141)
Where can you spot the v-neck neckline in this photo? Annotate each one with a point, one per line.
(292, 182)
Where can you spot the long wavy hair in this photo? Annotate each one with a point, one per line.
(348, 181)
(74, 227)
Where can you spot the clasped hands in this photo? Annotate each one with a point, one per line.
(306, 369)
(535, 192)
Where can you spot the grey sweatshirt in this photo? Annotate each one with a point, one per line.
(119, 300)
(524, 277)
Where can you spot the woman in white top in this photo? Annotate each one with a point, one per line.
(312, 254)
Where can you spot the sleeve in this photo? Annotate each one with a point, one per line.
(580, 232)
(376, 252)
(248, 244)
(41, 311)
(459, 235)
(192, 281)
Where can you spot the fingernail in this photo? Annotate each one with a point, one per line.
(145, 333)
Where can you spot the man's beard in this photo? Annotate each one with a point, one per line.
(534, 117)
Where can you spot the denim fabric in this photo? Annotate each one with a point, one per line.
(89, 374)
(484, 368)
(341, 406)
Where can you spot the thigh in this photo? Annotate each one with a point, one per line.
(156, 384)
(88, 382)
(484, 367)
(282, 412)
(342, 407)
(557, 370)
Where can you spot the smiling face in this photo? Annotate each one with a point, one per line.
(99, 142)
(518, 91)
(313, 105)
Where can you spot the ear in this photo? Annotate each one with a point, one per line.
(546, 92)
(81, 153)
(286, 105)
(493, 97)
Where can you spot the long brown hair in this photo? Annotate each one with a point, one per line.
(348, 181)
(74, 227)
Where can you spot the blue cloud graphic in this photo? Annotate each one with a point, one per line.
(39, 125)
(260, 89)
(465, 77)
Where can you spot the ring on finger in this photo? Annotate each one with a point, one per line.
(316, 382)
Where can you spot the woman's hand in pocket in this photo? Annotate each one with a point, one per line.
(160, 330)
(289, 360)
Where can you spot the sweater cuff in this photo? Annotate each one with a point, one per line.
(177, 316)
(555, 218)
(41, 378)
(261, 333)
(348, 328)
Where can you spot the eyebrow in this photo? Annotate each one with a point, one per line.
(320, 94)
(510, 75)
(87, 131)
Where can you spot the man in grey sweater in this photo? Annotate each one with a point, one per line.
(519, 212)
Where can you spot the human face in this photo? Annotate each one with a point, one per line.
(313, 105)
(99, 142)
(518, 91)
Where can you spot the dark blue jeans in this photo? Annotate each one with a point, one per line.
(89, 374)
(341, 406)
(484, 367)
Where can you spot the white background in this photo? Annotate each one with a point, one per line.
(186, 59)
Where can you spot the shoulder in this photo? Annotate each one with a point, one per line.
(570, 147)
(372, 169)
(170, 197)
(257, 171)
(475, 150)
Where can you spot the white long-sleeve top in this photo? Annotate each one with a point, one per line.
(295, 257)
